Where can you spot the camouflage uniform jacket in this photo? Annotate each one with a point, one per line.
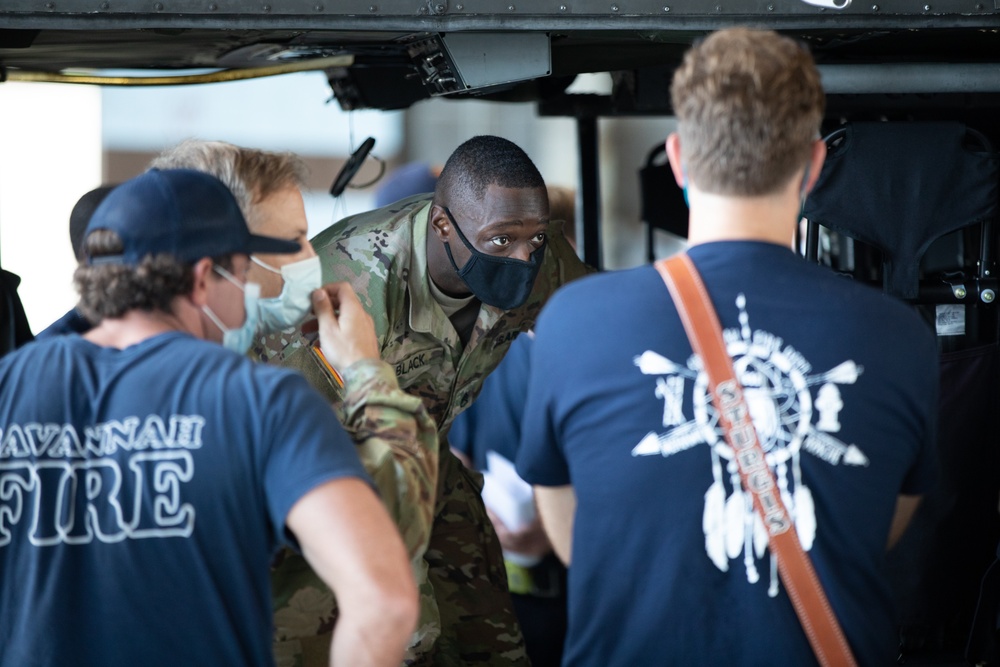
(465, 606)
(397, 442)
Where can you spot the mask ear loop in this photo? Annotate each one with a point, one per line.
(803, 193)
(264, 265)
(230, 277)
(458, 230)
(447, 246)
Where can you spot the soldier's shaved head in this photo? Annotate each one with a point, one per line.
(480, 162)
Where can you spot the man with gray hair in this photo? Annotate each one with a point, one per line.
(396, 439)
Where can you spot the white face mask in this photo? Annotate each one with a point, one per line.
(289, 308)
(239, 339)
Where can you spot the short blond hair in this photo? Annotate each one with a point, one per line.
(749, 105)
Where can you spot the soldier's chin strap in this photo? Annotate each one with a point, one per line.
(703, 329)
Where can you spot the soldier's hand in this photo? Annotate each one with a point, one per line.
(346, 330)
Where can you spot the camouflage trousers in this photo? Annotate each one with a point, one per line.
(469, 579)
(466, 615)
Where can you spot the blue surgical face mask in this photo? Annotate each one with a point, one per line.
(239, 339)
(289, 308)
(498, 281)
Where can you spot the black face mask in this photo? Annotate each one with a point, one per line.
(498, 281)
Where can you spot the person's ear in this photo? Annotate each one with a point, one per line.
(440, 223)
(201, 274)
(674, 157)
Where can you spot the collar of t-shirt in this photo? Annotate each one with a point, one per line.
(463, 312)
(449, 304)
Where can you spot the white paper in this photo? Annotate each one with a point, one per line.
(506, 494)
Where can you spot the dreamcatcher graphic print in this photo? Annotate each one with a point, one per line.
(778, 383)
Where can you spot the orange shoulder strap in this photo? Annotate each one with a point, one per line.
(703, 329)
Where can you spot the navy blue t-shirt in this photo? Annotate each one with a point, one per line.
(71, 322)
(670, 565)
(143, 493)
(493, 421)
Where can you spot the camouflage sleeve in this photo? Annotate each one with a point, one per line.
(570, 265)
(398, 444)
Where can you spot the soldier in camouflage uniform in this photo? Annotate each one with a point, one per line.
(397, 440)
(404, 261)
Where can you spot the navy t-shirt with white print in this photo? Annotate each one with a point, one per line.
(669, 566)
(143, 493)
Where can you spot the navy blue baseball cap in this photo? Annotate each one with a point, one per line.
(185, 213)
